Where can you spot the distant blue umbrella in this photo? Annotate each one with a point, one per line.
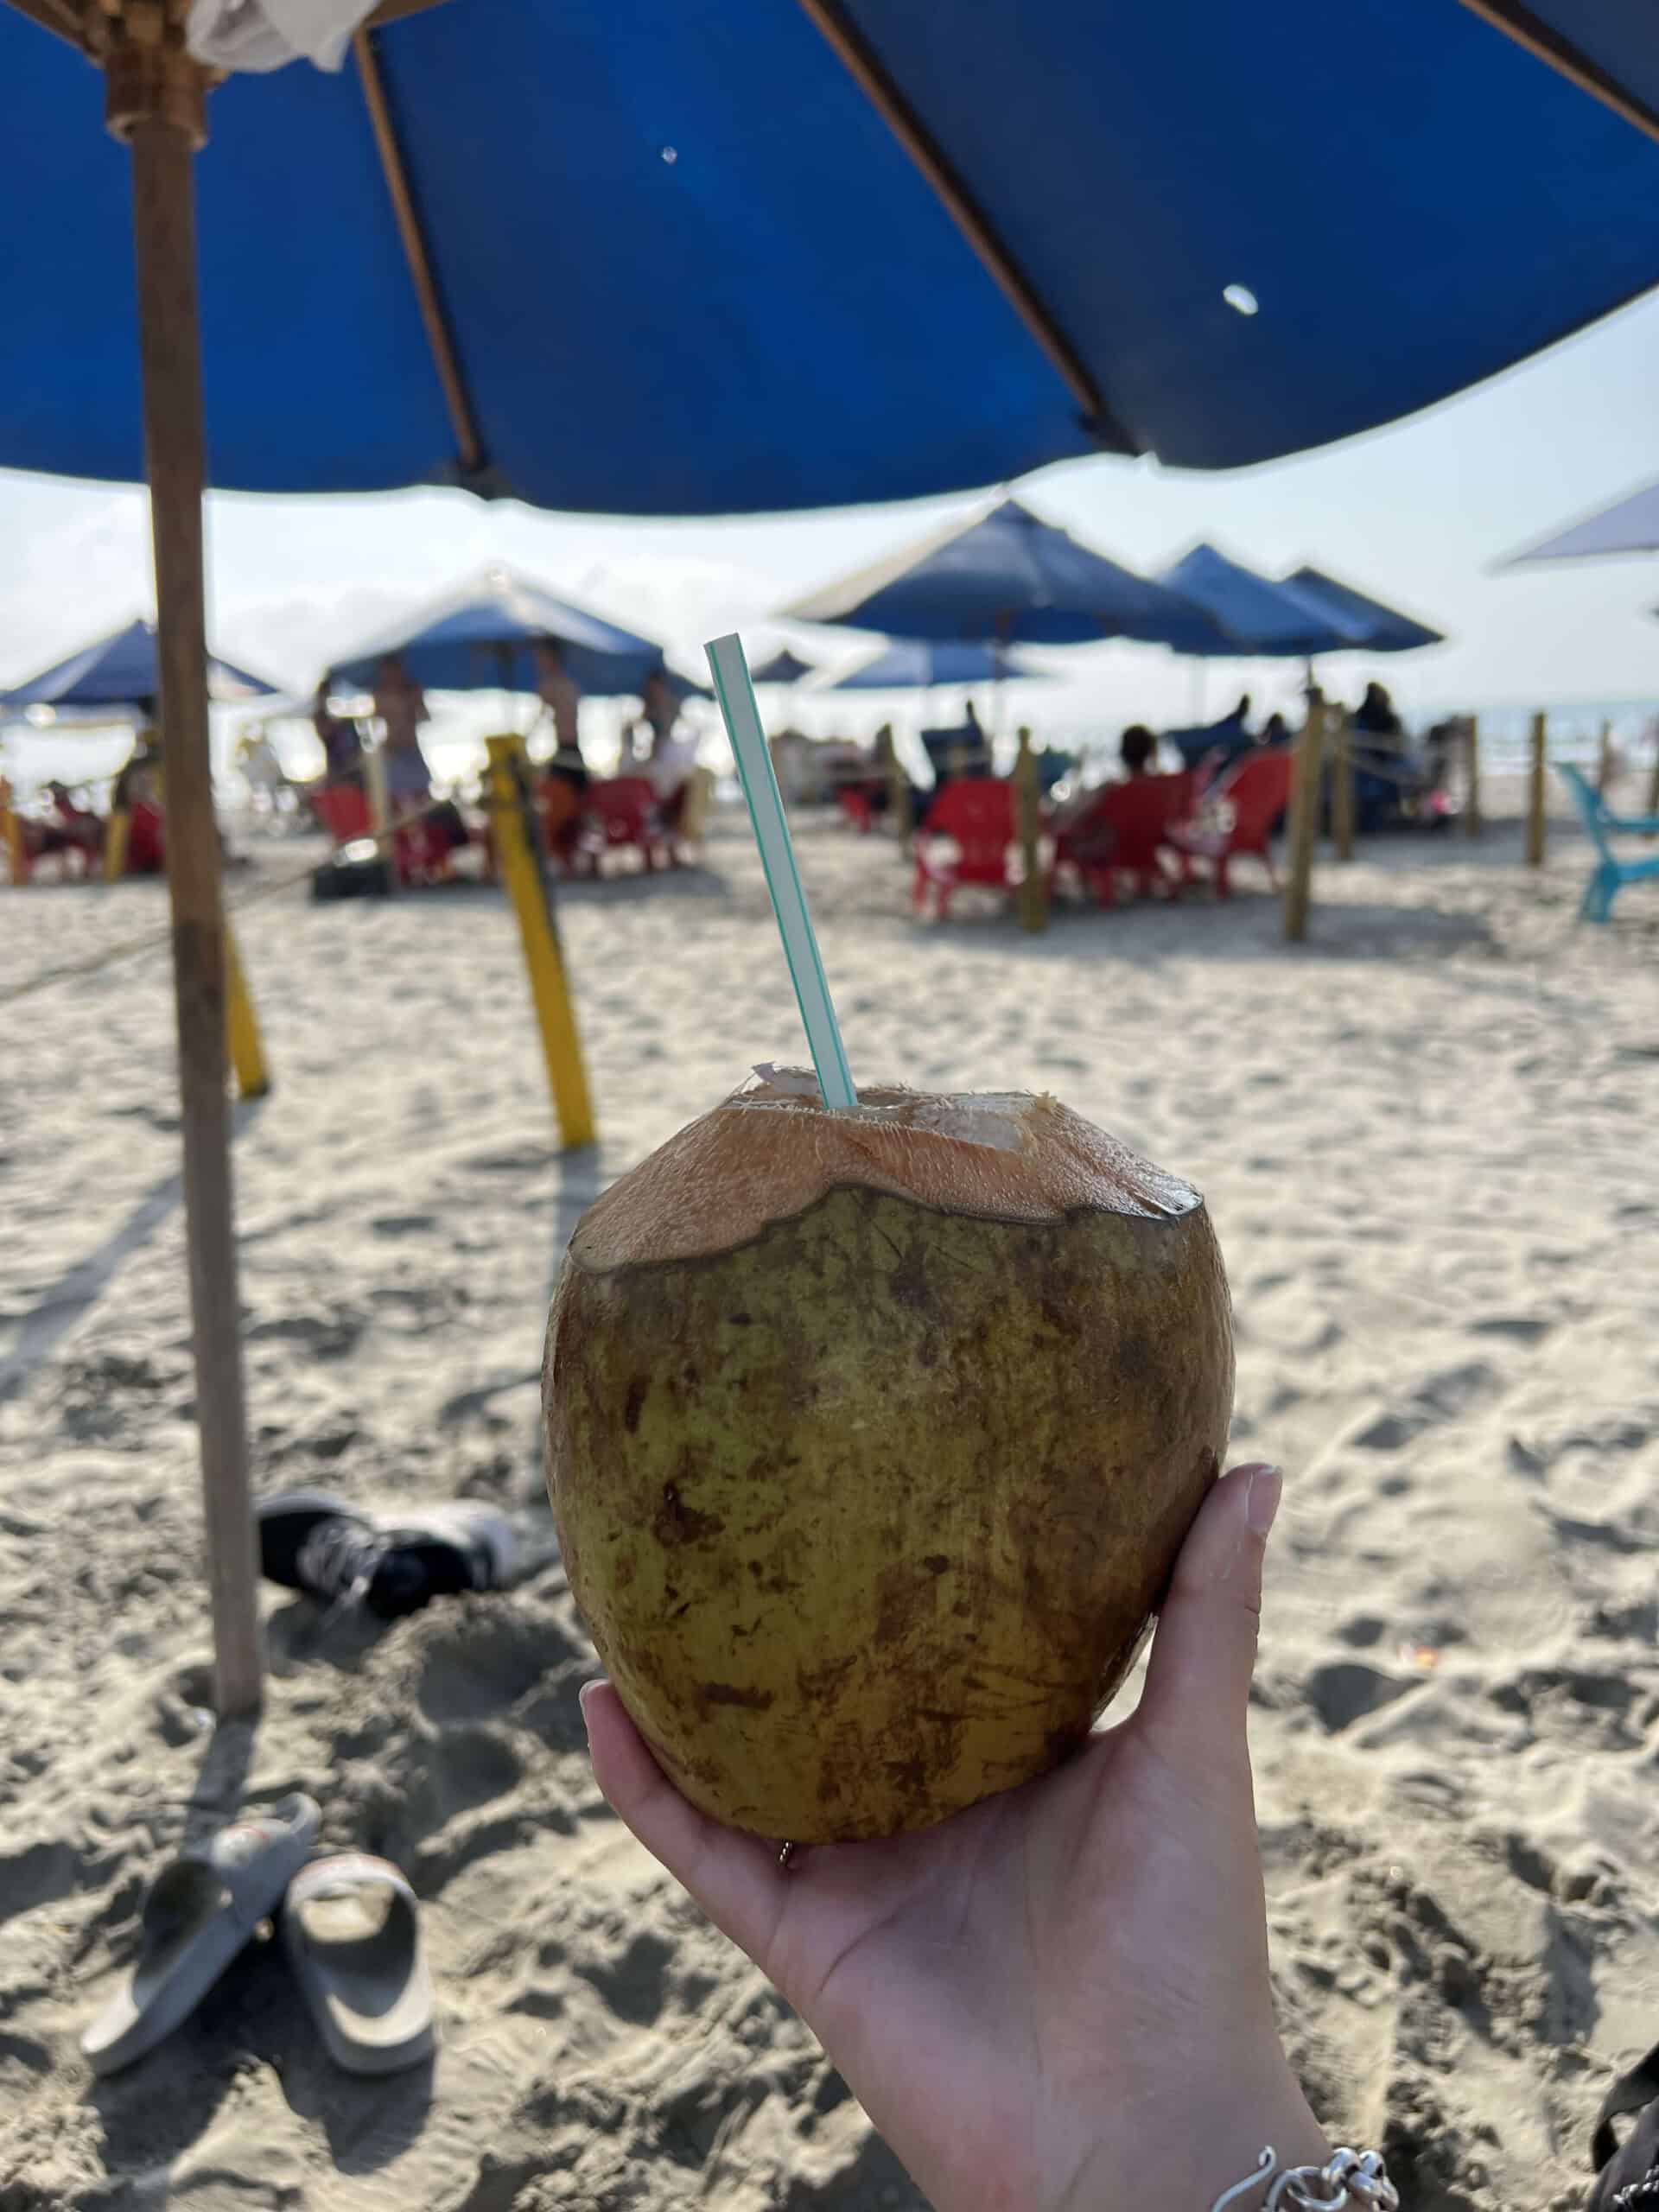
(1630, 525)
(1008, 577)
(909, 665)
(784, 667)
(1258, 618)
(119, 672)
(1386, 630)
(483, 637)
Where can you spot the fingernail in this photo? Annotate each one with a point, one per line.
(587, 1691)
(1261, 1499)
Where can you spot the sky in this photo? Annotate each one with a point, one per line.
(1416, 513)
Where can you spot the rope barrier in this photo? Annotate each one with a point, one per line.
(158, 940)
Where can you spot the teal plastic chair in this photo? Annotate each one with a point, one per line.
(1611, 874)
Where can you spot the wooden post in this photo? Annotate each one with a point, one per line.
(16, 850)
(1653, 780)
(242, 1039)
(1536, 792)
(1471, 776)
(1303, 819)
(1342, 790)
(374, 773)
(898, 805)
(1604, 761)
(516, 854)
(157, 102)
(1028, 823)
(115, 844)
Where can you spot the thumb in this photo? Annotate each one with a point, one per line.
(1199, 1679)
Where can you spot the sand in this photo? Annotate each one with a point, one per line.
(1429, 1143)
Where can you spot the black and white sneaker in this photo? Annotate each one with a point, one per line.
(392, 1563)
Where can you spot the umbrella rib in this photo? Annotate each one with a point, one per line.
(865, 66)
(413, 235)
(57, 16)
(1542, 40)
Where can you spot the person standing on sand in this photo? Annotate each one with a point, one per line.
(561, 695)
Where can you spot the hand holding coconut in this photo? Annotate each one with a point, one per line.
(1058, 1999)
(878, 1425)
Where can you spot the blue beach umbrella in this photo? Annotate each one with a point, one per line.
(678, 260)
(483, 637)
(1386, 630)
(1007, 577)
(1630, 525)
(1255, 617)
(784, 667)
(909, 665)
(120, 672)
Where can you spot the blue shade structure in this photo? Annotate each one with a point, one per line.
(1008, 577)
(1256, 616)
(119, 671)
(911, 664)
(784, 667)
(1630, 525)
(772, 255)
(1385, 629)
(483, 637)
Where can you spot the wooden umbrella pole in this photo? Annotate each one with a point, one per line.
(1303, 819)
(156, 99)
(1537, 777)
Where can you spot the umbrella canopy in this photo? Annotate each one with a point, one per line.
(120, 672)
(1630, 525)
(1386, 630)
(784, 667)
(483, 637)
(1006, 577)
(1255, 616)
(817, 217)
(909, 665)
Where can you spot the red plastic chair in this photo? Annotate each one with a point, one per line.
(621, 813)
(857, 805)
(968, 837)
(1124, 830)
(1239, 816)
(420, 850)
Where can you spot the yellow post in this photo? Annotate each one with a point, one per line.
(515, 856)
(1604, 761)
(12, 822)
(242, 1040)
(1028, 823)
(1303, 819)
(1471, 776)
(898, 805)
(1342, 790)
(115, 844)
(1535, 792)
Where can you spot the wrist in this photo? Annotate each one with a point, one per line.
(1195, 2152)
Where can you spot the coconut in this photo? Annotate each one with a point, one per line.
(872, 1439)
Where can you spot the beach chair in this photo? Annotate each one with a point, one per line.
(1124, 830)
(420, 850)
(1609, 875)
(617, 815)
(856, 803)
(968, 837)
(1240, 816)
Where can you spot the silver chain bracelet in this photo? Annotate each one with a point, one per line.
(1356, 2178)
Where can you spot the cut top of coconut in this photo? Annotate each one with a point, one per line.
(772, 1150)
